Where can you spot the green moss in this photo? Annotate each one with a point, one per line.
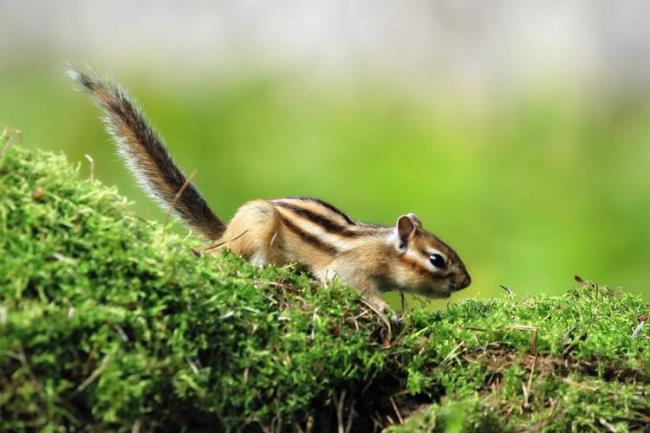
(563, 363)
(450, 416)
(107, 319)
(110, 322)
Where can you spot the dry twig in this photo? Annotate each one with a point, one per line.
(95, 374)
(508, 290)
(389, 337)
(178, 195)
(92, 166)
(396, 409)
(220, 243)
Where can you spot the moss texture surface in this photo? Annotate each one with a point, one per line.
(112, 323)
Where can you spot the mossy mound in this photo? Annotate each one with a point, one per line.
(108, 322)
(579, 362)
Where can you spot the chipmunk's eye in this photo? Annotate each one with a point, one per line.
(437, 260)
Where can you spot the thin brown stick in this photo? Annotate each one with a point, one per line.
(520, 327)
(572, 382)
(453, 352)
(221, 243)
(532, 371)
(95, 374)
(351, 413)
(525, 404)
(92, 166)
(396, 409)
(310, 424)
(508, 290)
(6, 146)
(275, 235)
(8, 135)
(607, 425)
(533, 343)
(381, 316)
(530, 378)
(182, 189)
(339, 402)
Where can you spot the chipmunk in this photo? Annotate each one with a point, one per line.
(369, 258)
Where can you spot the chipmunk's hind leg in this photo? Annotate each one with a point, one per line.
(252, 233)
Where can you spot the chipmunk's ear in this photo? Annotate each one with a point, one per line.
(405, 227)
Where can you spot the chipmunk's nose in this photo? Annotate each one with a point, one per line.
(463, 280)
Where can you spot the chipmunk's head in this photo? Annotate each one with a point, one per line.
(426, 265)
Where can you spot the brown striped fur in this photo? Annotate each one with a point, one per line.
(368, 257)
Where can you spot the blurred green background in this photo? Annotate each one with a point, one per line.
(531, 185)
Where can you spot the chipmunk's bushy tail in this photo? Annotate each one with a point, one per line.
(146, 156)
